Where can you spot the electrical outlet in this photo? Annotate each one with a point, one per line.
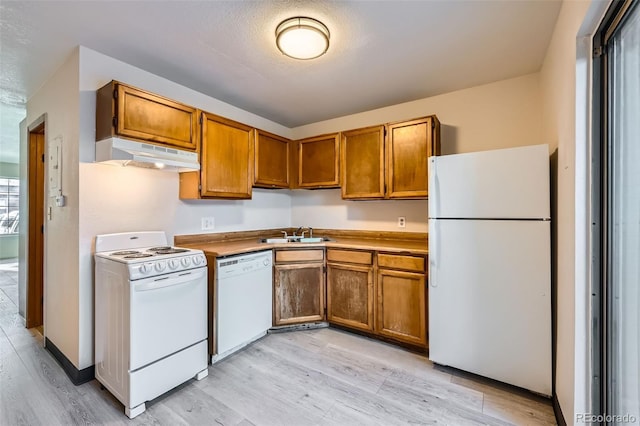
(401, 222)
(208, 223)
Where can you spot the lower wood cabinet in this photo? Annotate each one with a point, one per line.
(387, 297)
(402, 306)
(380, 293)
(299, 286)
(350, 295)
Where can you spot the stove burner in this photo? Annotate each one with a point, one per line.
(125, 253)
(161, 248)
(138, 255)
(171, 251)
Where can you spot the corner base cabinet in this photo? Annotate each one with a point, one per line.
(350, 293)
(299, 286)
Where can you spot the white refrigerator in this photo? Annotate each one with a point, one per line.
(490, 265)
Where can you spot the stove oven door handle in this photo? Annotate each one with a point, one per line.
(182, 278)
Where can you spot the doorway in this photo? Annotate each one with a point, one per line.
(34, 313)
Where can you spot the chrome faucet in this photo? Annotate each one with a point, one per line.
(302, 228)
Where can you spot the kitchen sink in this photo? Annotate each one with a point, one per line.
(295, 240)
(312, 240)
(275, 240)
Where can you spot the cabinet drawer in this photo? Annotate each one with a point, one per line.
(299, 255)
(403, 262)
(350, 256)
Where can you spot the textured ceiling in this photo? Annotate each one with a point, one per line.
(382, 52)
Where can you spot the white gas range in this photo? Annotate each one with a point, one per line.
(150, 316)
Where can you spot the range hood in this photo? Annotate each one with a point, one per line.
(125, 152)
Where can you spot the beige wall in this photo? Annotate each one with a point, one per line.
(492, 116)
(58, 99)
(565, 83)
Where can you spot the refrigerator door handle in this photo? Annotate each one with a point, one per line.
(434, 190)
(433, 261)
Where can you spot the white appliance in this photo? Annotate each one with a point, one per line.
(244, 300)
(125, 152)
(489, 265)
(150, 316)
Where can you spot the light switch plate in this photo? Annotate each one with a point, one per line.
(208, 223)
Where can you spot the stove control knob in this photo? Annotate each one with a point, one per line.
(185, 261)
(173, 263)
(144, 268)
(197, 260)
(160, 265)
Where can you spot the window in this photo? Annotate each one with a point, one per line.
(9, 202)
(617, 77)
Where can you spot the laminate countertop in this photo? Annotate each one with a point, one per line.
(228, 248)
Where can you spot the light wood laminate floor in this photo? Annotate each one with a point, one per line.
(313, 377)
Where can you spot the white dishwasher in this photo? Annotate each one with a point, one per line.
(244, 300)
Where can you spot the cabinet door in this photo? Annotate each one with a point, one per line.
(401, 306)
(362, 160)
(298, 293)
(318, 162)
(130, 112)
(227, 158)
(409, 144)
(350, 296)
(272, 160)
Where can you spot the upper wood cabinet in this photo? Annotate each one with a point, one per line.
(389, 161)
(123, 110)
(362, 159)
(226, 163)
(318, 161)
(271, 160)
(409, 145)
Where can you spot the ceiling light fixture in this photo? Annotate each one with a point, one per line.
(302, 37)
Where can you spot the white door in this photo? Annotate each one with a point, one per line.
(168, 313)
(490, 301)
(505, 183)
